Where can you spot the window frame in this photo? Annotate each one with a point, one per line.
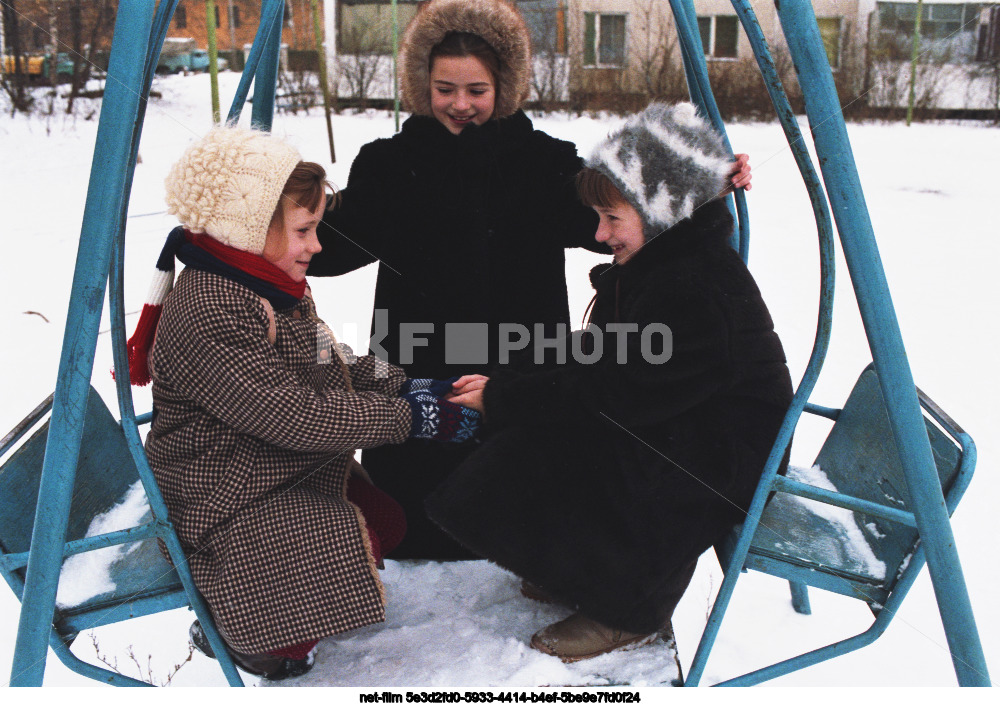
(840, 39)
(711, 54)
(596, 40)
(934, 19)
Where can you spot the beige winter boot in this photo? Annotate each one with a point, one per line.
(577, 637)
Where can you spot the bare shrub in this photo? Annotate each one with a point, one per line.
(145, 672)
(297, 90)
(739, 90)
(889, 71)
(365, 58)
(657, 65)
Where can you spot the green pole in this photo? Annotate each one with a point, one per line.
(213, 59)
(913, 63)
(321, 58)
(395, 61)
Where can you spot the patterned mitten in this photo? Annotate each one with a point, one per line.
(438, 419)
(439, 388)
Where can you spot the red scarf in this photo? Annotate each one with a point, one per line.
(202, 252)
(253, 265)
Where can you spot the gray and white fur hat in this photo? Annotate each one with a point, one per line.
(666, 162)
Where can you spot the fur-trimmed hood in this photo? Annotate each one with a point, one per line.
(496, 21)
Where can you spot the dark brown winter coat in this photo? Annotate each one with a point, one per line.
(251, 444)
(602, 482)
(468, 228)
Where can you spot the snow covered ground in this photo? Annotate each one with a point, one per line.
(930, 190)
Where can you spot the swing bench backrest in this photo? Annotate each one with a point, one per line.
(845, 526)
(144, 582)
(858, 553)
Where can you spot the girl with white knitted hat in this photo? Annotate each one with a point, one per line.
(605, 477)
(257, 411)
(468, 210)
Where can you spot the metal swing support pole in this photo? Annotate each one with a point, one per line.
(798, 22)
(140, 27)
(698, 80)
(107, 200)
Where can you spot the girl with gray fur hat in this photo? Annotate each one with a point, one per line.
(602, 479)
(468, 210)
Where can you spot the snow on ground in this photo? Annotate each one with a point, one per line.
(930, 190)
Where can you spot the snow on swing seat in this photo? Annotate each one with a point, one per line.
(129, 576)
(851, 552)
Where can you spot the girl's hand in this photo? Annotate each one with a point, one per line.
(739, 175)
(467, 384)
(472, 399)
(468, 391)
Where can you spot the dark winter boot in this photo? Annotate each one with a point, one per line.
(577, 637)
(269, 667)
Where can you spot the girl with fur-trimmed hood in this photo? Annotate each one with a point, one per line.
(602, 480)
(468, 210)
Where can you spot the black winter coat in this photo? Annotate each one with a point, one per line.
(603, 482)
(467, 229)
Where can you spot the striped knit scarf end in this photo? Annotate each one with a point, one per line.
(141, 342)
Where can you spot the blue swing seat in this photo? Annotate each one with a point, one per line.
(800, 543)
(144, 581)
(871, 550)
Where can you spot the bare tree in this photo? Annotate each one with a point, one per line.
(14, 83)
(91, 21)
(550, 71)
(988, 57)
(53, 51)
(658, 70)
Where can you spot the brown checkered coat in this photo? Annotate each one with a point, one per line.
(251, 444)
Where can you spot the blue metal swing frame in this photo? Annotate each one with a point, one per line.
(140, 29)
(930, 511)
(138, 37)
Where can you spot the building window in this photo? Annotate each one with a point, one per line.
(829, 30)
(180, 17)
(235, 16)
(719, 35)
(546, 20)
(603, 39)
(937, 20)
(988, 44)
(217, 23)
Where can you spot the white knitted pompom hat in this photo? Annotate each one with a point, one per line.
(228, 183)
(666, 162)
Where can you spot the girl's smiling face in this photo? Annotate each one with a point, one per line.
(292, 244)
(622, 229)
(462, 91)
